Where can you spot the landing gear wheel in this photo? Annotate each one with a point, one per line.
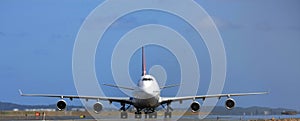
(124, 115)
(152, 115)
(146, 115)
(138, 115)
(168, 114)
(169, 110)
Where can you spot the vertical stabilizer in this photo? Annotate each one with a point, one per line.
(143, 62)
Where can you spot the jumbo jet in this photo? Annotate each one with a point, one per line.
(146, 98)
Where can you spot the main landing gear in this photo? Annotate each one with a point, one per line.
(138, 114)
(150, 113)
(168, 113)
(124, 114)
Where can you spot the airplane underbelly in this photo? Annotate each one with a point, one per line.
(146, 103)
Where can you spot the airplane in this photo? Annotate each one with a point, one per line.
(146, 98)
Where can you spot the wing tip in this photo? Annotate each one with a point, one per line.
(20, 92)
(268, 92)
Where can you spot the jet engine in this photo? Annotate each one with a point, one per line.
(98, 107)
(61, 105)
(195, 106)
(229, 103)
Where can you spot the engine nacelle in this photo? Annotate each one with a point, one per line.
(61, 105)
(98, 107)
(195, 106)
(229, 103)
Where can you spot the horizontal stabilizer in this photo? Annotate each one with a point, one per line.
(111, 85)
(169, 86)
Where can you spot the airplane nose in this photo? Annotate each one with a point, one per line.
(146, 87)
(145, 84)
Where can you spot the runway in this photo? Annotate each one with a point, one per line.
(115, 115)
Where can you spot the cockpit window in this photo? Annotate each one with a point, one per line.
(147, 79)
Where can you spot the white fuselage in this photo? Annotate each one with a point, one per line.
(147, 93)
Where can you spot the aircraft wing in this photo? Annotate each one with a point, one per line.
(171, 99)
(126, 100)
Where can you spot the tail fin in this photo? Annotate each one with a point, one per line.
(143, 62)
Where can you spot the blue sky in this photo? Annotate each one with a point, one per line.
(261, 39)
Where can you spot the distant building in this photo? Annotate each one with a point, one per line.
(289, 112)
(15, 109)
(78, 109)
(267, 113)
(41, 109)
